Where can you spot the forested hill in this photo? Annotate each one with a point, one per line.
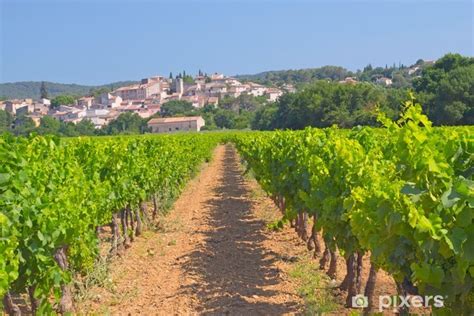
(31, 89)
(401, 75)
(298, 75)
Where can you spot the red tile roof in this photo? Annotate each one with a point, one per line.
(174, 119)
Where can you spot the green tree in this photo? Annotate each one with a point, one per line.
(85, 127)
(68, 129)
(23, 125)
(264, 118)
(48, 126)
(127, 123)
(323, 104)
(225, 119)
(43, 90)
(6, 121)
(98, 91)
(62, 100)
(176, 108)
(243, 120)
(447, 90)
(419, 62)
(399, 81)
(244, 102)
(188, 80)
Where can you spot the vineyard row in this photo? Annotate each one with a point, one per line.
(403, 193)
(56, 194)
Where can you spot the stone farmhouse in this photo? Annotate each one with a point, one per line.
(176, 124)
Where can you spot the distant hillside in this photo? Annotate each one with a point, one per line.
(31, 89)
(298, 76)
(401, 75)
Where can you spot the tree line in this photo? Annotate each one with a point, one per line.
(400, 74)
(32, 89)
(24, 125)
(126, 123)
(446, 90)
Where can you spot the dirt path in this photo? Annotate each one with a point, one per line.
(214, 255)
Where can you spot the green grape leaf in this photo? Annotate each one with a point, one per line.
(4, 177)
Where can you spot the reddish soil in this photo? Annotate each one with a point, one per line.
(213, 255)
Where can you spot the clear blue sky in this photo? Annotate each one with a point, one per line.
(95, 42)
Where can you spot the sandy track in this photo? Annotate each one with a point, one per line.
(214, 257)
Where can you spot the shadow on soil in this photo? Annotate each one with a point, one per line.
(232, 262)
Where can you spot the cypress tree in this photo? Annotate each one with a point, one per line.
(43, 90)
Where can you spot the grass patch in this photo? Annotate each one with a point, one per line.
(97, 276)
(313, 286)
(172, 242)
(167, 224)
(120, 297)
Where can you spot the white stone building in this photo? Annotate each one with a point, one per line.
(176, 124)
(384, 81)
(143, 90)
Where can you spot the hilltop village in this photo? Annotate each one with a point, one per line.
(145, 99)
